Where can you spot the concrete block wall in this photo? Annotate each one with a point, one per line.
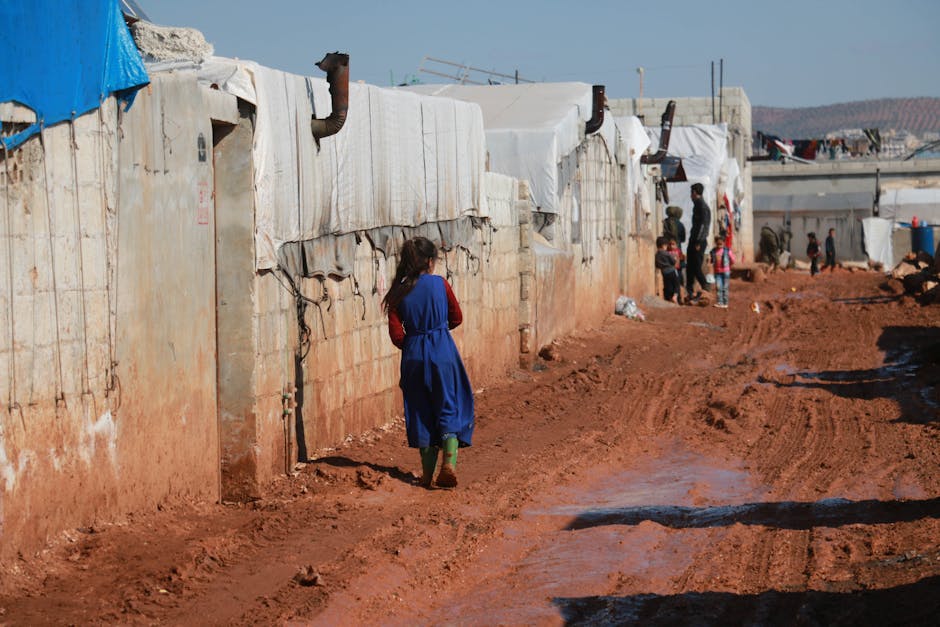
(57, 432)
(107, 339)
(597, 276)
(349, 379)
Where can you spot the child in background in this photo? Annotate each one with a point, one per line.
(674, 250)
(812, 251)
(831, 250)
(722, 258)
(666, 264)
(438, 398)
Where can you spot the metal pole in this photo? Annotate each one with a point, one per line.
(713, 92)
(721, 88)
(639, 111)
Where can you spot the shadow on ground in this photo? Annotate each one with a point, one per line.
(910, 375)
(912, 604)
(783, 515)
(345, 462)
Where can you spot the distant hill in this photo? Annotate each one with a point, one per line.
(917, 115)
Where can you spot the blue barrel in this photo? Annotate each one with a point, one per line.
(922, 239)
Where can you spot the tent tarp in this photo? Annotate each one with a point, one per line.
(400, 159)
(704, 151)
(530, 129)
(904, 204)
(64, 58)
(877, 233)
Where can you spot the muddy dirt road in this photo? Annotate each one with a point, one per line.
(707, 466)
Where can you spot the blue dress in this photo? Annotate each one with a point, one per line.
(436, 389)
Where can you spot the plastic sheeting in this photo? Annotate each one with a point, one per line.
(879, 246)
(704, 150)
(401, 159)
(63, 58)
(530, 129)
(635, 142)
(905, 203)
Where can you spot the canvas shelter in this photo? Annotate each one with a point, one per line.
(402, 159)
(706, 159)
(530, 130)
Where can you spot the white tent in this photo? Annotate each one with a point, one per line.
(400, 159)
(703, 149)
(531, 129)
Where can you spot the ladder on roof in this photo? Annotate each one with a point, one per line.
(466, 74)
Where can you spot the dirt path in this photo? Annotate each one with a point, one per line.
(709, 466)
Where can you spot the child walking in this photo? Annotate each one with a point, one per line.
(722, 258)
(666, 264)
(673, 248)
(830, 251)
(812, 251)
(438, 398)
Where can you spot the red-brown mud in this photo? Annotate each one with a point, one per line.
(706, 466)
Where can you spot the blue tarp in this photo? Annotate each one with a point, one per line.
(63, 58)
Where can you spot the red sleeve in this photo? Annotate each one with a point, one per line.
(454, 315)
(396, 331)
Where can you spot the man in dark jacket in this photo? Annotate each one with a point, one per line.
(698, 239)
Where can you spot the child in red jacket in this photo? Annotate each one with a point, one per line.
(722, 258)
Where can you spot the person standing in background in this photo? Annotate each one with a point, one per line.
(831, 251)
(812, 251)
(698, 240)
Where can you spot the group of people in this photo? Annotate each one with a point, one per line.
(677, 268)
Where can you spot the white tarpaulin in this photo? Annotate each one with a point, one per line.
(903, 204)
(877, 233)
(704, 150)
(529, 129)
(636, 141)
(400, 159)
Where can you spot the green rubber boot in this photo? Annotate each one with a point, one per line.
(447, 477)
(428, 463)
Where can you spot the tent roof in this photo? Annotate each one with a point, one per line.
(517, 107)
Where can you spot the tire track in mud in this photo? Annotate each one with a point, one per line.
(617, 413)
(734, 387)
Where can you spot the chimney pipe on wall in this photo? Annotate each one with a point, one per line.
(666, 130)
(597, 115)
(336, 66)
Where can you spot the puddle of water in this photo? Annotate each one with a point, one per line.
(675, 476)
(666, 509)
(928, 395)
(785, 369)
(563, 563)
(706, 325)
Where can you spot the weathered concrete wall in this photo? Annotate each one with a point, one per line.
(107, 318)
(59, 453)
(348, 382)
(147, 361)
(579, 273)
(235, 295)
(165, 344)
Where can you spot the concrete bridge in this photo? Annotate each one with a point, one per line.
(838, 194)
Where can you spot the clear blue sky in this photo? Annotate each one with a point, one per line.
(787, 53)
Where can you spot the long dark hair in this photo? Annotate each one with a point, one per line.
(414, 258)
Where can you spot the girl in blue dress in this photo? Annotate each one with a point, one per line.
(438, 398)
